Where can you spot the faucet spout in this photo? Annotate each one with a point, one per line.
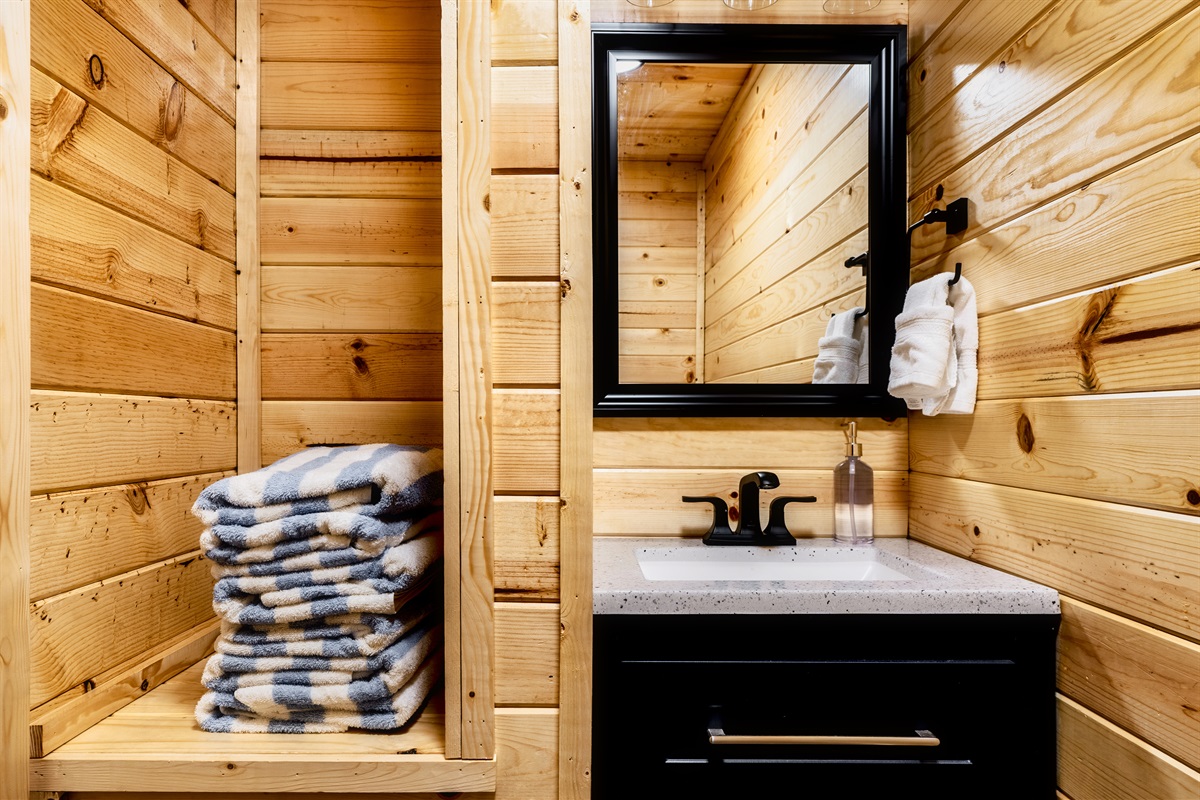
(749, 520)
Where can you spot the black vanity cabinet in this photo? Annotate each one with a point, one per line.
(982, 686)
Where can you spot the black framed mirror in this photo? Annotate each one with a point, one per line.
(738, 168)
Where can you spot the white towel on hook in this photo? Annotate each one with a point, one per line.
(937, 339)
(840, 349)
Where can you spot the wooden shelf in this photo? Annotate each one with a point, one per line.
(155, 744)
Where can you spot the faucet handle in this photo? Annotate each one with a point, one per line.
(719, 530)
(777, 530)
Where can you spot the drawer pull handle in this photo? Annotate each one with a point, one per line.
(922, 739)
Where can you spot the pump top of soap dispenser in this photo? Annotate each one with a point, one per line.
(853, 448)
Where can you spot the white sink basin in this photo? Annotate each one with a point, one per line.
(760, 564)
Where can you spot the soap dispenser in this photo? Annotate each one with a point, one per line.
(853, 496)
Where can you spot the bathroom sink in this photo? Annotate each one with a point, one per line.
(762, 564)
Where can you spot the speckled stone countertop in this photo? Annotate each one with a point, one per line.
(940, 583)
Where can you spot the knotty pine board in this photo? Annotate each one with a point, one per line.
(359, 299)
(350, 96)
(82, 245)
(291, 425)
(81, 343)
(91, 152)
(136, 89)
(81, 440)
(80, 537)
(352, 366)
(524, 118)
(527, 548)
(315, 31)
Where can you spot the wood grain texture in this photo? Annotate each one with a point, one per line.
(1142, 679)
(367, 30)
(306, 230)
(448, 146)
(525, 332)
(14, 409)
(1130, 337)
(524, 118)
(89, 151)
(81, 245)
(952, 41)
(1091, 237)
(176, 39)
(524, 214)
(154, 743)
(349, 366)
(525, 452)
(888, 12)
(792, 443)
(527, 548)
(219, 17)
(76, 635)
(136, 89)
(1062, 47)
(80, 343)
(527, 746)
(349, 145)
(81, 537)
(332, 177)
(478, 414)
(572, 766)
(524, 32)
(1096, 759)
(291, 425)
(351, 299)
(83, 440)
(60, 720)
(1081, 136)
(1138, 562)
(1138, 449)
(349, 96)
(249, 249)
(646, 502)
(526, 654)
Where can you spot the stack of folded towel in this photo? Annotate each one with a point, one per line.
(326, 567)
(934, 360)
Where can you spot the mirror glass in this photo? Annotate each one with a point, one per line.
(742, 191)
(737, 170)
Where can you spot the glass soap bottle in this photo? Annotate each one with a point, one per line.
(853, 496)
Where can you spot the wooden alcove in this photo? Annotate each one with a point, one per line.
(131, 727)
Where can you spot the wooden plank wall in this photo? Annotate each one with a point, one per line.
(1074, 128)
(658, 271)
(132, 338)
(785, 205)
(350, 223)
(643, 466)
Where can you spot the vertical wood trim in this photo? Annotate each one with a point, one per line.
(249, 277)
(14, 401)
(475, 377)
(575, 462)
(698, 368)
(450, 399)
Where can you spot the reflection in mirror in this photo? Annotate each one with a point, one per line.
(742, 192)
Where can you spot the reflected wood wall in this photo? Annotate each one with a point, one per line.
(1074, 128)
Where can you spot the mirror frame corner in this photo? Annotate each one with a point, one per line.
(884, 48)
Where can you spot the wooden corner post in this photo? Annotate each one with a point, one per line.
(14, 398)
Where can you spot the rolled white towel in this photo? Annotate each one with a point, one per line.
(923, 362)
(960, 399)
(840, 349)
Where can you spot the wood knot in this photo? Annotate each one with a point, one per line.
(975, 530)
(564, 286)
(3, 109)
(487, 202)
(1025, 434)
(173, 112)
(357, 344)
(145, 685)
(1193, 497)
(360, 365)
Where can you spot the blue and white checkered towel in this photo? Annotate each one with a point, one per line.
(374, 480)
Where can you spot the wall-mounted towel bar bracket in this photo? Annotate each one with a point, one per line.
(954, 215)
(860, 260)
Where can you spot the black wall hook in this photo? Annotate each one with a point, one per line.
(957, 274)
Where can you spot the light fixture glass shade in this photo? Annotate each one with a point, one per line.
(849, 6)
(648, 3)
(749, 5)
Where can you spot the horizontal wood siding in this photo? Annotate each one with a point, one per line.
(132, 343)
(1068, 125)
(658, 247)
